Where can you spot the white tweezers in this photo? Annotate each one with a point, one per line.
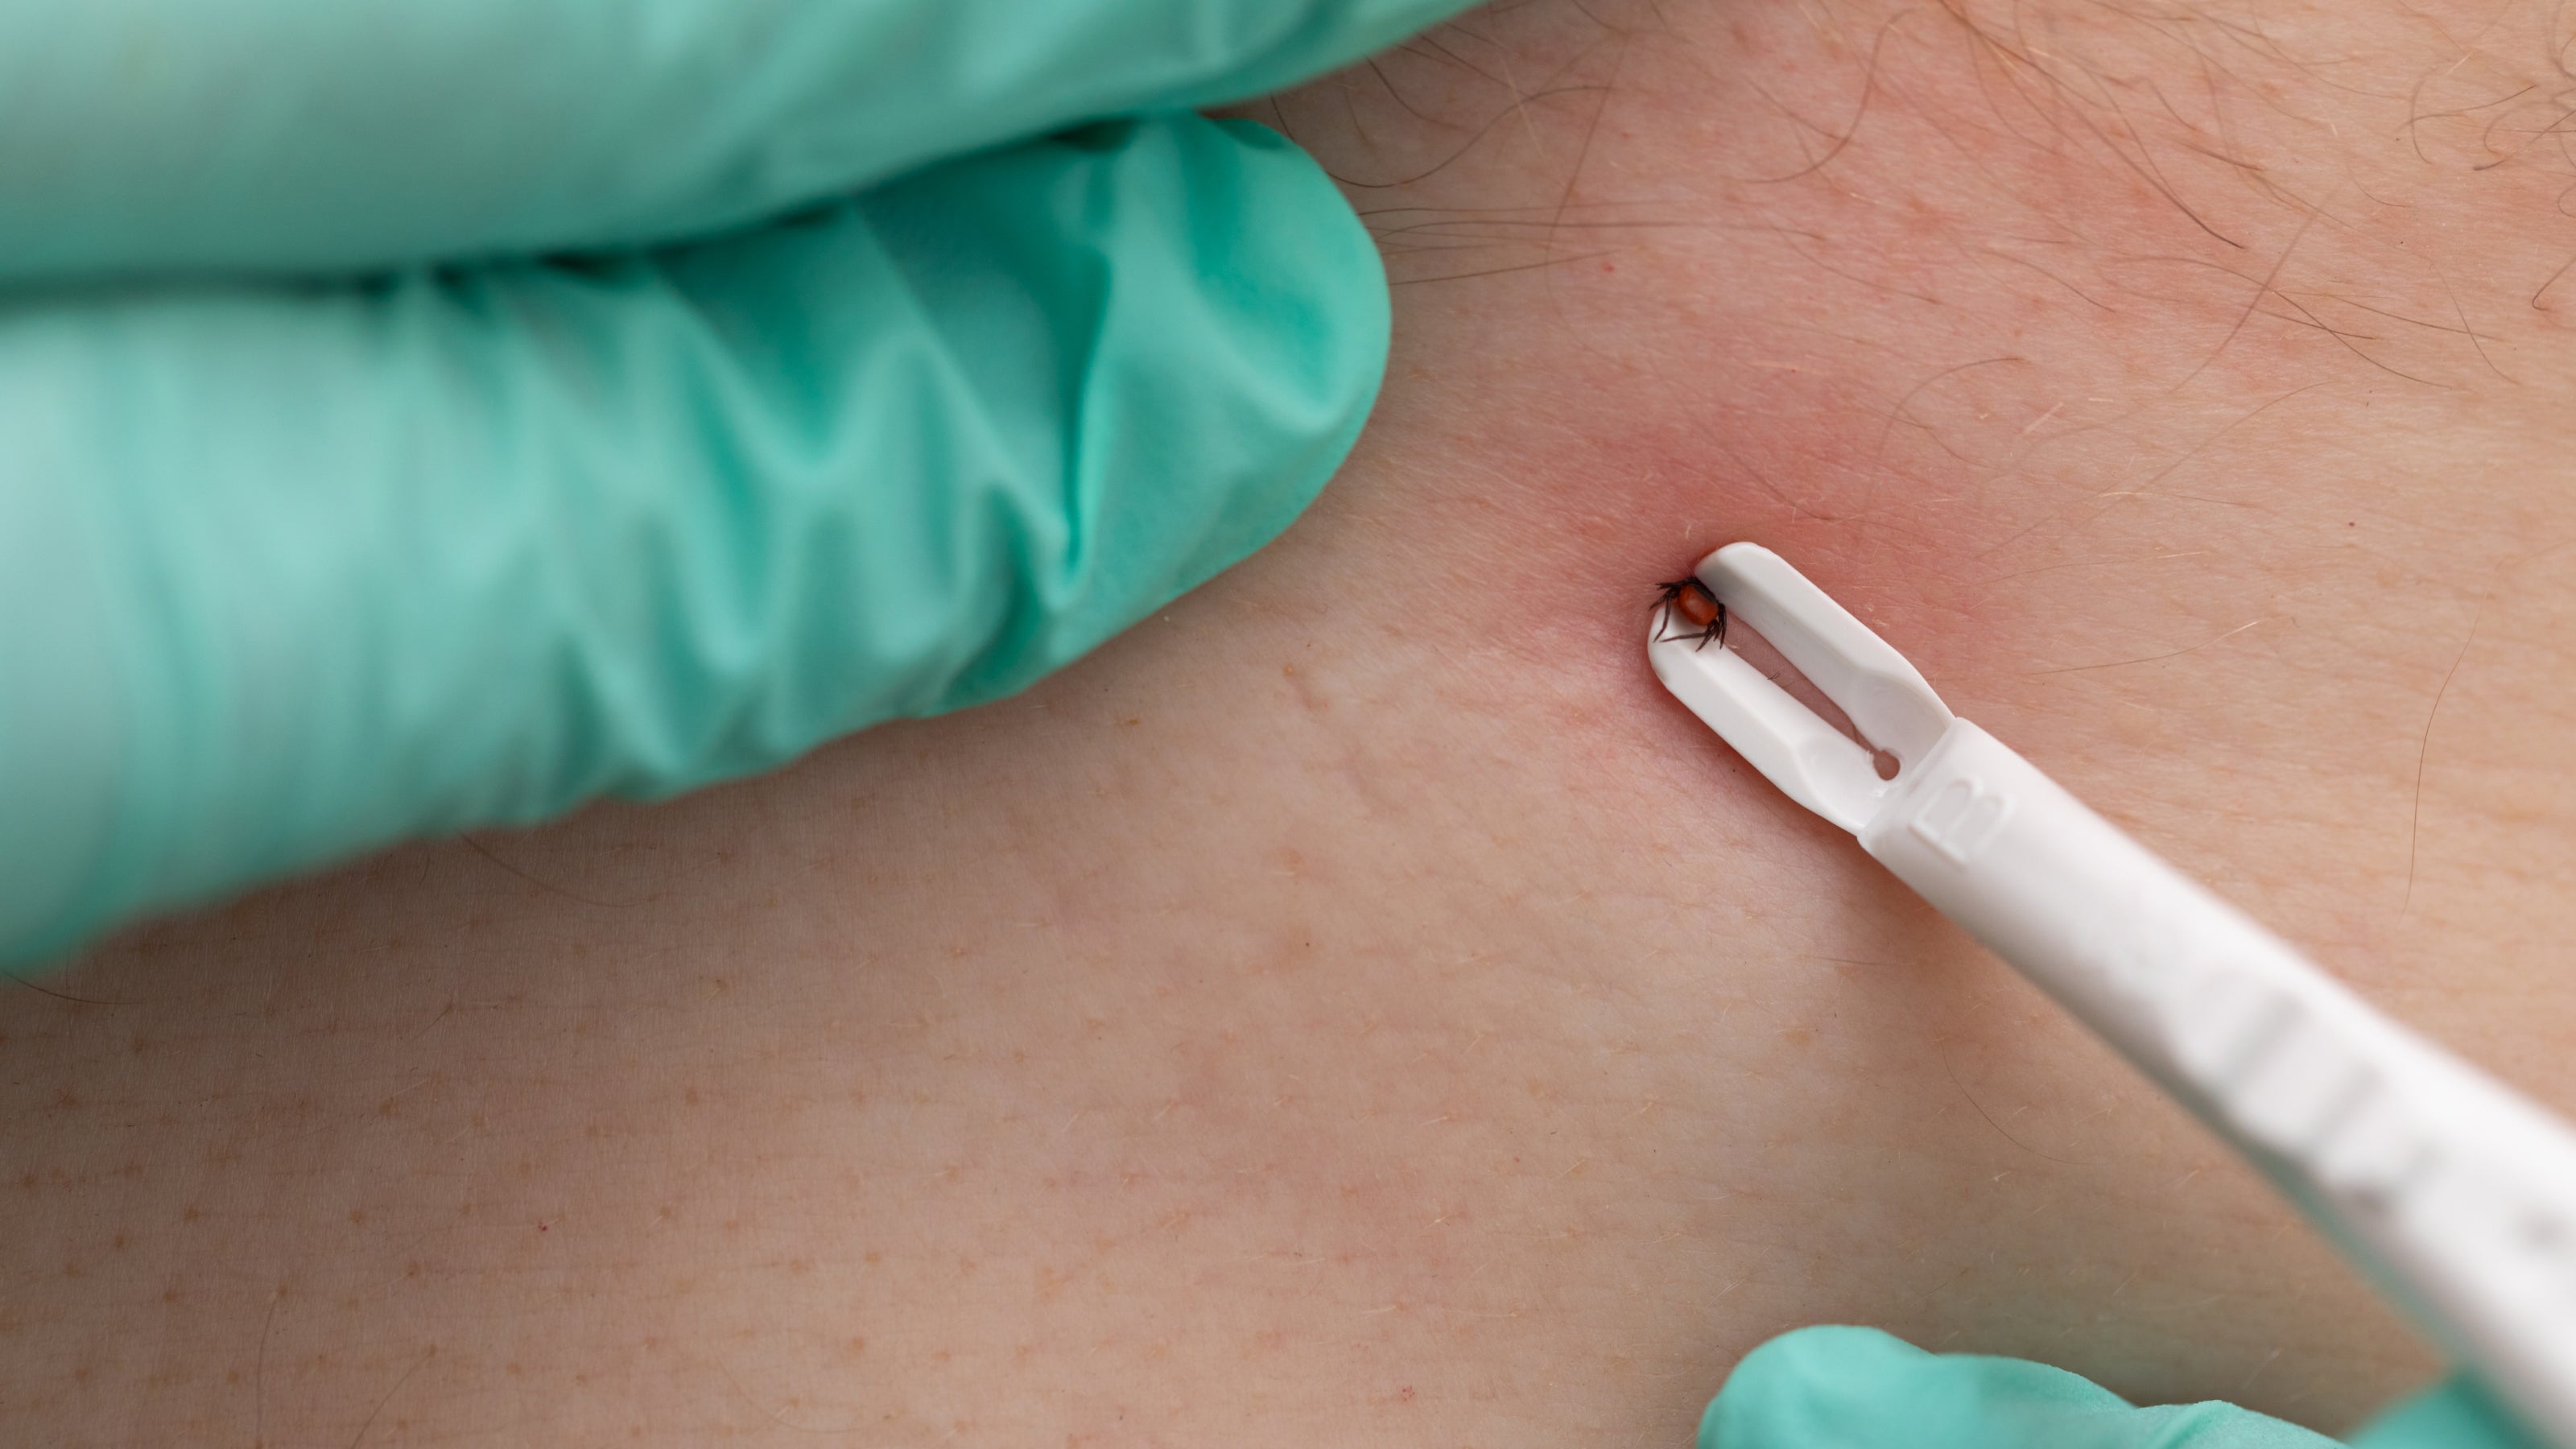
(2457, 1193)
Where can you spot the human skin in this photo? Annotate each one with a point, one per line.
(1356, 1007)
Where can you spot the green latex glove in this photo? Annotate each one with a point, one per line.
(307, 545)
(1857, 1388)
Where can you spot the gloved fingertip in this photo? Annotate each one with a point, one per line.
(1230, 367)
(1810, 1386)
(1856, 1388)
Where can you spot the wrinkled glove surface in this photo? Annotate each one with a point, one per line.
(415, 417)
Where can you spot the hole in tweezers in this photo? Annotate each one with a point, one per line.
(1775, 666)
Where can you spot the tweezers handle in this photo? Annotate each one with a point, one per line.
(2455, 1191)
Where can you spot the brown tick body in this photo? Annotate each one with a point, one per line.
(1690, 601)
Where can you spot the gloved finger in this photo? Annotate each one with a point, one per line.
(1857, 1388)
(2458, 1415)
(292, 572)
(332, 134)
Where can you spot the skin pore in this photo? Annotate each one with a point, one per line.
(1356, 1007)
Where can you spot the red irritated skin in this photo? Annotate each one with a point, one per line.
(1934, 299)
(1358, 1007)
(2121, 368)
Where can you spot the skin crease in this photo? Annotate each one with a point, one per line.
(1356, 1007)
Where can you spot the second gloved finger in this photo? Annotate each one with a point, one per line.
(1857, 1388)
(287, 573)
(338, 134)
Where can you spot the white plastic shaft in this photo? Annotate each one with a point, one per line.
(2458, 1194)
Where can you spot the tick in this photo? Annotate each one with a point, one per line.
(1690, 601)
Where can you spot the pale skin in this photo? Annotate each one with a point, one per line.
(1356, 1007)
